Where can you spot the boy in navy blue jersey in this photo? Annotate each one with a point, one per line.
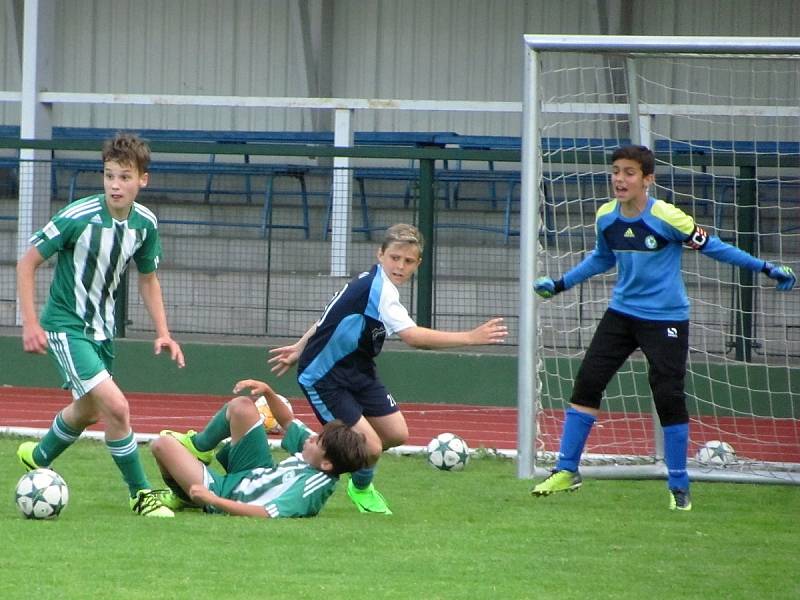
(336, 366)
(649, 309)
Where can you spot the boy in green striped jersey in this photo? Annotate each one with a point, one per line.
(253, 485)
(95, 238)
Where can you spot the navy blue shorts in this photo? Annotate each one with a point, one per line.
(349, 396)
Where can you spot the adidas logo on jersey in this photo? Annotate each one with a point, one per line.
(629, 233)
(96, 219)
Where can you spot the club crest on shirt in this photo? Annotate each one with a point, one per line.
(650, 242)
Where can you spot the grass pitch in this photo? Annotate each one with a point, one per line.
(474, 534)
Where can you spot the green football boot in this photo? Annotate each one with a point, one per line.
(368, 500)
(204, 456)
(558, 481)
(25, 455)
(680, 500)
(174, 502)
(148, 503)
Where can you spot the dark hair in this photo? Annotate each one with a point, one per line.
(129, 150)
(344, 447)
(641, 154)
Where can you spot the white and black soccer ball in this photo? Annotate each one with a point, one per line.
(448, 452)
(41, 494)
(716, 453)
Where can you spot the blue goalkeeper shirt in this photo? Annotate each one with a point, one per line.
(647, 251)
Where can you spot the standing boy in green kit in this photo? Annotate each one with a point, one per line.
(95, 238)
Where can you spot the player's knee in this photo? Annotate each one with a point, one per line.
(396, 438)
(241, 409)
(163, 447)
(671, 409)
(117, 411)
(374, 450)
(587, 392)
(586, 396)
(157, 446)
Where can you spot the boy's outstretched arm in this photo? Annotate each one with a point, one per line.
(491, 332)
(284, 357)
(34, 338)
(282, 413)
(203, 496)
(712, 246)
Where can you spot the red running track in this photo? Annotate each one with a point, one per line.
(480, 426)
(491, 427)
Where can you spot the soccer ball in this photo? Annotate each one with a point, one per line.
(716, 453)
(448, 452)
(270, 422)
(41, 494)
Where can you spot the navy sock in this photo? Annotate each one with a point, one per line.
(363, 477)
(577, 426)
(676, 443)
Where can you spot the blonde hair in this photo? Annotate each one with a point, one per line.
(402, 233)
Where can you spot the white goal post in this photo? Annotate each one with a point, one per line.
(722, 116)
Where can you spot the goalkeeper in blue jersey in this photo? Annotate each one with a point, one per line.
(649, 309)
(253, 485)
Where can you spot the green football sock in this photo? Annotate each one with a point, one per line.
(125, 453)
(217, 429)
(58, 438)
(223, 455)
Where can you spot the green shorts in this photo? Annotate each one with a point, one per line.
(83, 363)
(250, 452)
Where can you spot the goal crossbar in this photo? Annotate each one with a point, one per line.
(563, 110)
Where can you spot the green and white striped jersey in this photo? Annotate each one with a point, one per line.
(93, 252)
(292, 488)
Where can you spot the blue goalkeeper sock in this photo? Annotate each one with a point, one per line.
(363, 477)
(676, 442)
(577, 426)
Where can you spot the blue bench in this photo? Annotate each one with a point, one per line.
(407, 175)
(410, 177)
(510, 178)
(360, 138)
(76, 166)
(743, 147)
(705, 187)
(552, 144)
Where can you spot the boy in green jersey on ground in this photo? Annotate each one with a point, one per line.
(95, 238)
(253, 485)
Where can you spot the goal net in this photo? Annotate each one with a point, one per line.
(723, 119)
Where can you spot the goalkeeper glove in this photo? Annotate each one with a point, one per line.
(547, 288)
(782, 274)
